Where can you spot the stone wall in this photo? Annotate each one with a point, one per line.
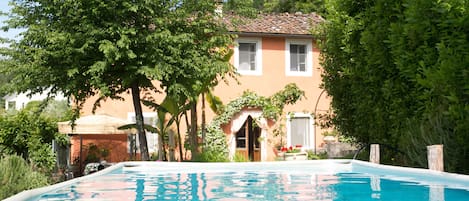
(339, 149)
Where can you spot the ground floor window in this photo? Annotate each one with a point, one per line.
(149, 118)
(300, 130)
(11, 105)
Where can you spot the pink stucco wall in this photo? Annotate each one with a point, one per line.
(116, 144)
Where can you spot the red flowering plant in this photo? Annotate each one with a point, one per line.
(291, 149)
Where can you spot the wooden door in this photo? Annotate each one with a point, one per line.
(247, 140)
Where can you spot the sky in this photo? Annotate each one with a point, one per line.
(5, 8)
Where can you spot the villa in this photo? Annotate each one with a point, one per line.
(271, 51)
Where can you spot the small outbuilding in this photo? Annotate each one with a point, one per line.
(96, 138)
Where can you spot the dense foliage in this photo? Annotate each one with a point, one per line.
(108, 48)
(29, 133)
(277, 6)
(17, 175)
(398, 74)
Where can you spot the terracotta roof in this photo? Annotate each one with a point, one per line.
(282, 23)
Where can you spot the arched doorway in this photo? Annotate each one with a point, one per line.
(247, 140)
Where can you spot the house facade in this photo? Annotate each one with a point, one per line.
(19, 101)
(271, 51)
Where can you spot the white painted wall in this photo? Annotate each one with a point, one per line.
(21, 100)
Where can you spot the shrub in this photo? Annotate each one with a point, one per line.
(41, 156)
(30, 132)
(313, 156)
(16, 176)
(210, 155)
(240, 158)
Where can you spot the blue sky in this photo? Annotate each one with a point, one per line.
(5, 8)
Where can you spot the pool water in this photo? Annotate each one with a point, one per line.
(257, 181)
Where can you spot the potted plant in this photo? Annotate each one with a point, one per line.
(104, 154)
(330, 136)
(279, 135)
(293, 153)
(73, 170)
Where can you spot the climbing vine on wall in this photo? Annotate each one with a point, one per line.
(272, 108)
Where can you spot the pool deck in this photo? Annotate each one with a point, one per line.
(424, 176)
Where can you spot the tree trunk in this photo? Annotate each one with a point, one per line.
(203, 121)
(178, 121)
(139, 120)
(160, 145)
(194, 138)
(171, 146)
(188, 131)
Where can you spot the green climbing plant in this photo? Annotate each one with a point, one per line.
(272, 108)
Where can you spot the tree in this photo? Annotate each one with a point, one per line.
(201, 66)
(29, 133)
(277, 6)
(397, 73)
(175, 109)
(107, 48)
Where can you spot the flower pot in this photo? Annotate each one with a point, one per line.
(329, 139)
(295, 156)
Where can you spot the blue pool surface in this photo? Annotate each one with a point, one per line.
(338, 180)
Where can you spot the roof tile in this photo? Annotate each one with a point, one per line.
(283, 23)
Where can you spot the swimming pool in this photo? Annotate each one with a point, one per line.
(296, 180)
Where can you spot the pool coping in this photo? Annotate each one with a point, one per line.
(29, 194)
(432, 177)
(373, 168)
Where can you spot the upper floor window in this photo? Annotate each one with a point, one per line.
(298, 58)
(248, 56)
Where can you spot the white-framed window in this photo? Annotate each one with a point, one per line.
(298, 57)
(248, 56)
(149, 118)
(300, 130)
(10, 105)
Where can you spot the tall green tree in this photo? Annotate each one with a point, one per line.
(107, 48)
(277, 6)
(397, 72)
(197, 61)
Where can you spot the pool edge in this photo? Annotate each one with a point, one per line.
(27, 195)
(439, 178)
